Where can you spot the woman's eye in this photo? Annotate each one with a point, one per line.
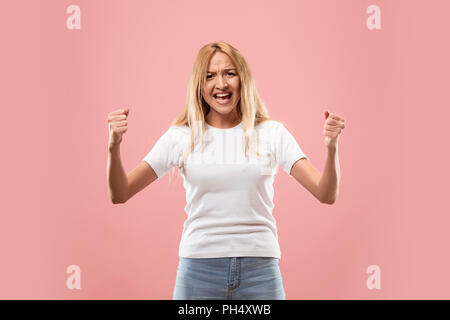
(229, 73)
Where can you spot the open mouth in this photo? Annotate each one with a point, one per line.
(223, 98)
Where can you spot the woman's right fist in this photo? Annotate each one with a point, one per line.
(117, 126)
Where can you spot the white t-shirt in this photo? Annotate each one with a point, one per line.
(229, 198)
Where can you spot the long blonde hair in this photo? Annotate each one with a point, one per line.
(250, 108)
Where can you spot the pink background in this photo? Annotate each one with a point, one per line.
(58, 85)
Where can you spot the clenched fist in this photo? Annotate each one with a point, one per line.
(117, 126)
(332, 129)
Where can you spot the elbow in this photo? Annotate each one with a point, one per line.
(117, 198)
(117, 201)
(329, 201)
(326, 197)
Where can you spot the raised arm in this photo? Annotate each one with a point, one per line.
(324, 186)
(121, 186)
(308, 176)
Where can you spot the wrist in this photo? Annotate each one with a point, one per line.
(332, 149)
(113, 147)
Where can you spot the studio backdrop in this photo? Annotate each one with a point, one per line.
(382, 65)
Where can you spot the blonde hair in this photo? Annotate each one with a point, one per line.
(250, 107)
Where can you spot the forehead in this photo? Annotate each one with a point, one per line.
(220, 60)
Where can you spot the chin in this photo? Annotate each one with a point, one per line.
(224, 109)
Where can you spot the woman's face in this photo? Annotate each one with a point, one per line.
(221, 78)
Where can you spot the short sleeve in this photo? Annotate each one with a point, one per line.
(288, 150)
(162, 157)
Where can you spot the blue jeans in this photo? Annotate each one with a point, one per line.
(234, 278)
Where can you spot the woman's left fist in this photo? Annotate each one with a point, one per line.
(332, 129)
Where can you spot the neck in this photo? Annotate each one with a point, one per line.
(222, 121)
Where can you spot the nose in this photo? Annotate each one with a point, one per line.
(221, 82)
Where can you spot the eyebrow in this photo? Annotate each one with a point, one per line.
(223, 70)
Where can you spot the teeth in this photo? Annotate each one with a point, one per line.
(222, 95)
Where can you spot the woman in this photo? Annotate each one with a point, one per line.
(228, 151)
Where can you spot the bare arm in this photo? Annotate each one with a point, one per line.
(139, 178)
(122, 186)
(324, 187)
(329, 182)
(308, 176)
(117, 178)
